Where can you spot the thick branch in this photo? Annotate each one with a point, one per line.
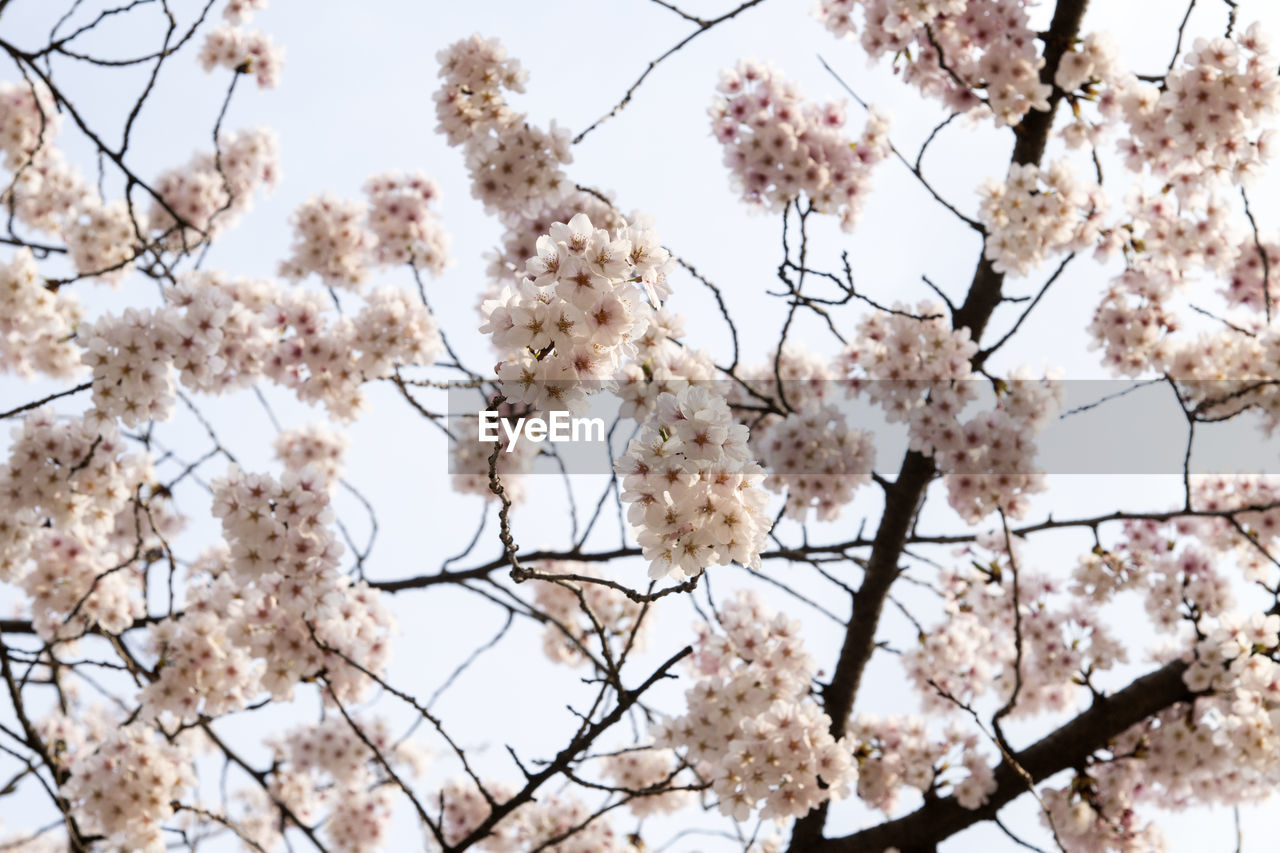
(1033, 136)
(904, 497)
(1064, 748)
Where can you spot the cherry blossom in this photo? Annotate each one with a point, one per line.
(778, 146)
(36, 323)
(211, 191)
(952, 49)
(750, 725)
(694, 491)
(571, 323)
(126, 787)
(243, 51)
(818, 461)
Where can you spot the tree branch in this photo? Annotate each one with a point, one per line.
(1064, 748)
(905, 496)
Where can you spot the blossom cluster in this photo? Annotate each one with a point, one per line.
(241, 11)
(1093, 58)
(1209, 126)
(197, 201)
(804, 449)
(896, 752)
(243, 51)
(75, 582)
(72, 737)
(1213, 748)
(818, 461)
(331, 241)
(522, 230)
(1251, 283)
(314, 445)
(126, 788)
(917, 368)
(912, 364)
(953, 49)
(476, 72)
(401, 218)
(1216, 748)
(279, 540)
(567, 328)
(1210, 116)
(1220, 535)
(329, 768)
(598, 319)
(974, 649)
(693, 488)
(1096, 812)
(1192, 578)
(269, 608)
(102, 238)
(131, 355)
(914, 367)
(990, 458)
(514, 166)
(1032, 216)
(660, 365)
(647, 770)
(36, 323)
(463, 807)
(1220, 370)
(202, 669)
(777, 145)
(1091, 73)
(223, 334)
(751, 726)
(70, 527)
(897, 357)
(1167, 244)
(791, 380)
(28, 119)
(190, 204)
(342, 240)
(48, 194)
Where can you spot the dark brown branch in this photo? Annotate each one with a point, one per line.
(1177, 48)
(905, 496)
(24, 626)
(1066, 747)
(75, 838)
(1262, 253)
(986, 353)
(24, 59)
(804, 553)
(26, 407)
